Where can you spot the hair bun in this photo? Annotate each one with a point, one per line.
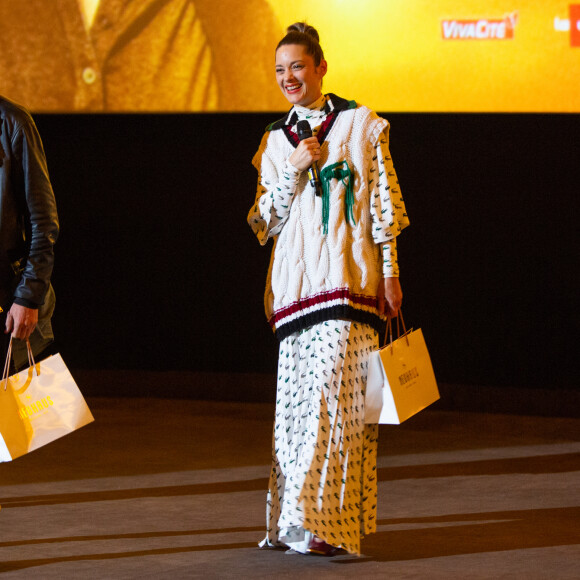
(304, 28)
(307, 36)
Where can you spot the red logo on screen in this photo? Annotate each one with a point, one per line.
(480, 29)
(575, 24)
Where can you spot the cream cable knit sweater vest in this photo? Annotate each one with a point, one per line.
(314, 276)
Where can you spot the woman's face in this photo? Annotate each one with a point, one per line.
(298, 78)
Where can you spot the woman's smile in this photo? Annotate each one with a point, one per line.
(293, 87)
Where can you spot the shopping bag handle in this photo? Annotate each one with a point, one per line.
(389, 329)
(7, 364)
(9, 358)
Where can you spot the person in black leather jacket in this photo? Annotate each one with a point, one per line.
(28, 231)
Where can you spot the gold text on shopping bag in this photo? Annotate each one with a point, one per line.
(408, 376)
(36, 407)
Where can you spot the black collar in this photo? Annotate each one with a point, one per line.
(290, 119)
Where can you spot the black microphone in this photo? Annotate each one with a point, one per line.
(304, 132)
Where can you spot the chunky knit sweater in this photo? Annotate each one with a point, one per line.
(327, 260)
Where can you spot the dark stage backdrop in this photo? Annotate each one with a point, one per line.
(157, 268)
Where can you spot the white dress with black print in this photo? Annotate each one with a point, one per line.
(323, 478)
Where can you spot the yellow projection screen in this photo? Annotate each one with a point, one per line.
(218, 55)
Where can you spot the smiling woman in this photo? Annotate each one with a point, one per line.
(333, 277)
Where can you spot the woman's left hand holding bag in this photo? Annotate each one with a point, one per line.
(389, 296)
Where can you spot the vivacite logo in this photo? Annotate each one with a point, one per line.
(480, 28)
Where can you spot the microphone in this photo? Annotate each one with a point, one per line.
(304, 132)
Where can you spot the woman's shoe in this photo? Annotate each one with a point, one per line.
(320, 547)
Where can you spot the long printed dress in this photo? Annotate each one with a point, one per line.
(323, 478)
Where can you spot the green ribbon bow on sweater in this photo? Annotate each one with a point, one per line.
(341, 171)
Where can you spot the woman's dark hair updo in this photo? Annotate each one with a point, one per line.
(307, 36)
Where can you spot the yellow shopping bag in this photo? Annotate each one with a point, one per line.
(38, 405)
(400, 380)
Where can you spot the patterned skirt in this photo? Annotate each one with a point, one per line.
(323, 478)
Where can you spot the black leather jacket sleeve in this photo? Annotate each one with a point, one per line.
(31, 184)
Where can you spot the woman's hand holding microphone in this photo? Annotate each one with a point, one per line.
(305, 154)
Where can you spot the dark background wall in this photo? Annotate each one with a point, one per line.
(157, 268)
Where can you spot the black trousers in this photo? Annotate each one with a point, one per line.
(4, 340)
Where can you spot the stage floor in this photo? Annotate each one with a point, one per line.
(172, 489)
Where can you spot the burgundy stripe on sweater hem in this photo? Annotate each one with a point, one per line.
(319, 300)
